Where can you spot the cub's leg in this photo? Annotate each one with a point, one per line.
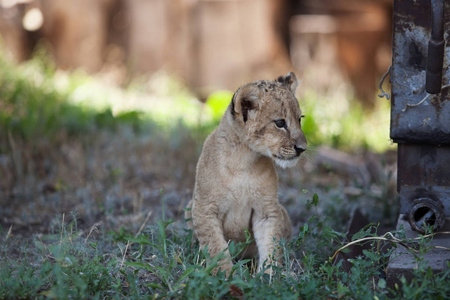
(209, 232)
(268, 229)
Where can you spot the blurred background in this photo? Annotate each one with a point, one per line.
(210, 44)
(105, 104)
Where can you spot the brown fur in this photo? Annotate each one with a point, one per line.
(236, 185)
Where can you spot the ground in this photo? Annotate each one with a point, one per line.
(116, 178)
(92, 199)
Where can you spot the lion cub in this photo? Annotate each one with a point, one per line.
(236, 186)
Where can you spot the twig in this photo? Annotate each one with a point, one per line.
(62, 229)
(143, 224)
(442, 248)
(136, 235)
(392, 239)
(372, 238)
(9, 233)
(432, 234)
(93, 228)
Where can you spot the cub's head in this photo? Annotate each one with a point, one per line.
(267, 117)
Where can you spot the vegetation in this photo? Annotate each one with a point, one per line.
(96, 191)
(38, 101)
(163, 262)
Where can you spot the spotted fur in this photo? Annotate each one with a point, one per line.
(236, 182)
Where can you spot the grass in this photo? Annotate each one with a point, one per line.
(95, 187)
(32, 108)
(163, 262)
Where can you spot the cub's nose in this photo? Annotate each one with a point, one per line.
(299, 149)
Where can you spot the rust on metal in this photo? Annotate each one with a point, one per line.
(426, 212)
(428, 122)
(423, 165)
(420, 122)
(423, 172)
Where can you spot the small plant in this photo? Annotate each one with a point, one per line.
(162, 261)
(60, 266)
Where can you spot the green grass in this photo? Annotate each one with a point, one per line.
(163, 262)
(32, 108)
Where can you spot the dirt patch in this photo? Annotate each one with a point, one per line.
(116, 178)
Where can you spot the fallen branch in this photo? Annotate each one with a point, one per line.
(391, 239)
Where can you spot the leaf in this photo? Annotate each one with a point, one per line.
(315, 200)
(303, 231)
(342, 290)
(186, 273)
(155, 286)
(178, 259)
(239, 264)
(140, 265)
(365, 232)
(372, 256)
(142, 240)
(218, 102)
(382, 283)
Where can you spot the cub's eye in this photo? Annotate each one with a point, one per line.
(281, 123)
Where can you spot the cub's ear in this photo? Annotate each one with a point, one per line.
(246, 101)
(290, 81)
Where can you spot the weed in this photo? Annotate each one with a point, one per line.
(163, 261)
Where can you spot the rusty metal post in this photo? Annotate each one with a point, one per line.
(420, 122)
